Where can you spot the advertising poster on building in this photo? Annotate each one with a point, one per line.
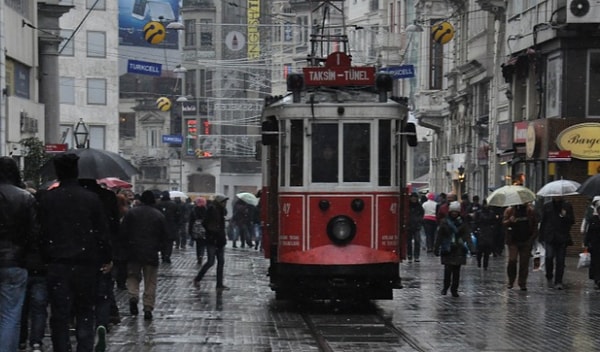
(135, 14)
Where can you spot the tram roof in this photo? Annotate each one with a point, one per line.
(326, 103)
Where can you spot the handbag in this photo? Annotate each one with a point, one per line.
(584, 259)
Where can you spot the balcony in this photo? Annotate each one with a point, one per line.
(431, 108)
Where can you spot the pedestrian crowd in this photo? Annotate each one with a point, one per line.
(64, 250)
(453, 230)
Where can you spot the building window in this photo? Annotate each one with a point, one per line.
(436, 64)
(127, 125)
(593, 84)
(17, 79)
(96, 44)
(96, 136)
(99, 4)
(190, 32)
(190, 83)
(67, 90)
(67, 45)
(206, 33)
(96, 91)
(553, 91)
(153, 137)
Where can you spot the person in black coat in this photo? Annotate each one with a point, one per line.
(144, 229)
(198, 213)
(18, 231)
(415, 224)
(76, 245)
(451, 243)
(215, 240)
(485, 222)
(555, 226)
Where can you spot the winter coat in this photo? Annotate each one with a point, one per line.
(524, 228)
(214, 223)
(74, 229)
(452, 240)
(171, 211)
(198, 212)
(144, 229)
(554, 227)
(485, 223)
(415, 216)
(18, 225)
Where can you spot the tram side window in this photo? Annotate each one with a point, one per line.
(296, 152)
(357, 149)
(385, 151)
(324, 148)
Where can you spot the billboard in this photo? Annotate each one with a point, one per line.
(134, 14)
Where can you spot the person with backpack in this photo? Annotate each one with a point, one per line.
(520, 225)
(590, 229)
(214, 223)
(196, 227)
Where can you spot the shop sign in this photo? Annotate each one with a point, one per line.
(559, 155)
(583, 140)
(520, 132)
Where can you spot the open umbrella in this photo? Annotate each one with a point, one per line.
(177, 194)
(96, 164)
(559, 188)
(114, 182)
(248, 198)
(590, 187)
(507, 196)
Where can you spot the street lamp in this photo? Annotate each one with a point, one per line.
(81, 134)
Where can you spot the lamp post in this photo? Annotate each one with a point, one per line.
(181, 100)
(81, 135)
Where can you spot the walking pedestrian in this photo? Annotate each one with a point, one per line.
(451, 243)
(590, 229)
(242, 223)
(430, 220)
(18, 232)
(185, 211)
(198, 213)
(76, 244)
(415, 223)
(520, 225)
(485, 223)
(215, 240)
(555, 225)
(144, 229)
(171, 212)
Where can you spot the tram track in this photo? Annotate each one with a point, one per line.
(345, 329)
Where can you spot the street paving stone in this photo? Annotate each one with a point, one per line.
(486, 317)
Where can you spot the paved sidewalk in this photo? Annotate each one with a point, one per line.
(486, 317)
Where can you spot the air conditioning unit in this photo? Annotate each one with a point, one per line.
(583, 11)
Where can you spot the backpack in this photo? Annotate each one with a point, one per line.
(198, 230)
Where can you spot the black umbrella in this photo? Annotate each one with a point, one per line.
(95, 164)
(590, 187)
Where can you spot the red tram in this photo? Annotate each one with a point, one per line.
(334, 200)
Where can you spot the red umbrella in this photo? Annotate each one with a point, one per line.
(114, 182)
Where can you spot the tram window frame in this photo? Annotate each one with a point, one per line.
(296, 134)
(282, 155)
(384, 144)
(325, 156)
(355, 160)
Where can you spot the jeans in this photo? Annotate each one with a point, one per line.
(451, 277)
(13, 284)
(106, 305)
(416, 249)
(72, 291)
(523, 252)
(35, 311)
(212, 253)
(558, 252)
(430, 227)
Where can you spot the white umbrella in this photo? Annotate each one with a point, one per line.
(507, 196)
(177, 194)
(559, 188)
(248, 198)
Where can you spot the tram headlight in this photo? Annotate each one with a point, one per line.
(341, 229)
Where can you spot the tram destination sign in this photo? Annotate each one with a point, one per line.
(339, 72)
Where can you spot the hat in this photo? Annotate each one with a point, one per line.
(595, 200)
(200, 201)
(65, 166)
(454, 206)
(430, 196)
(147, 197)
(220, 198)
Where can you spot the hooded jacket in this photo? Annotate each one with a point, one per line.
(18, 225)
